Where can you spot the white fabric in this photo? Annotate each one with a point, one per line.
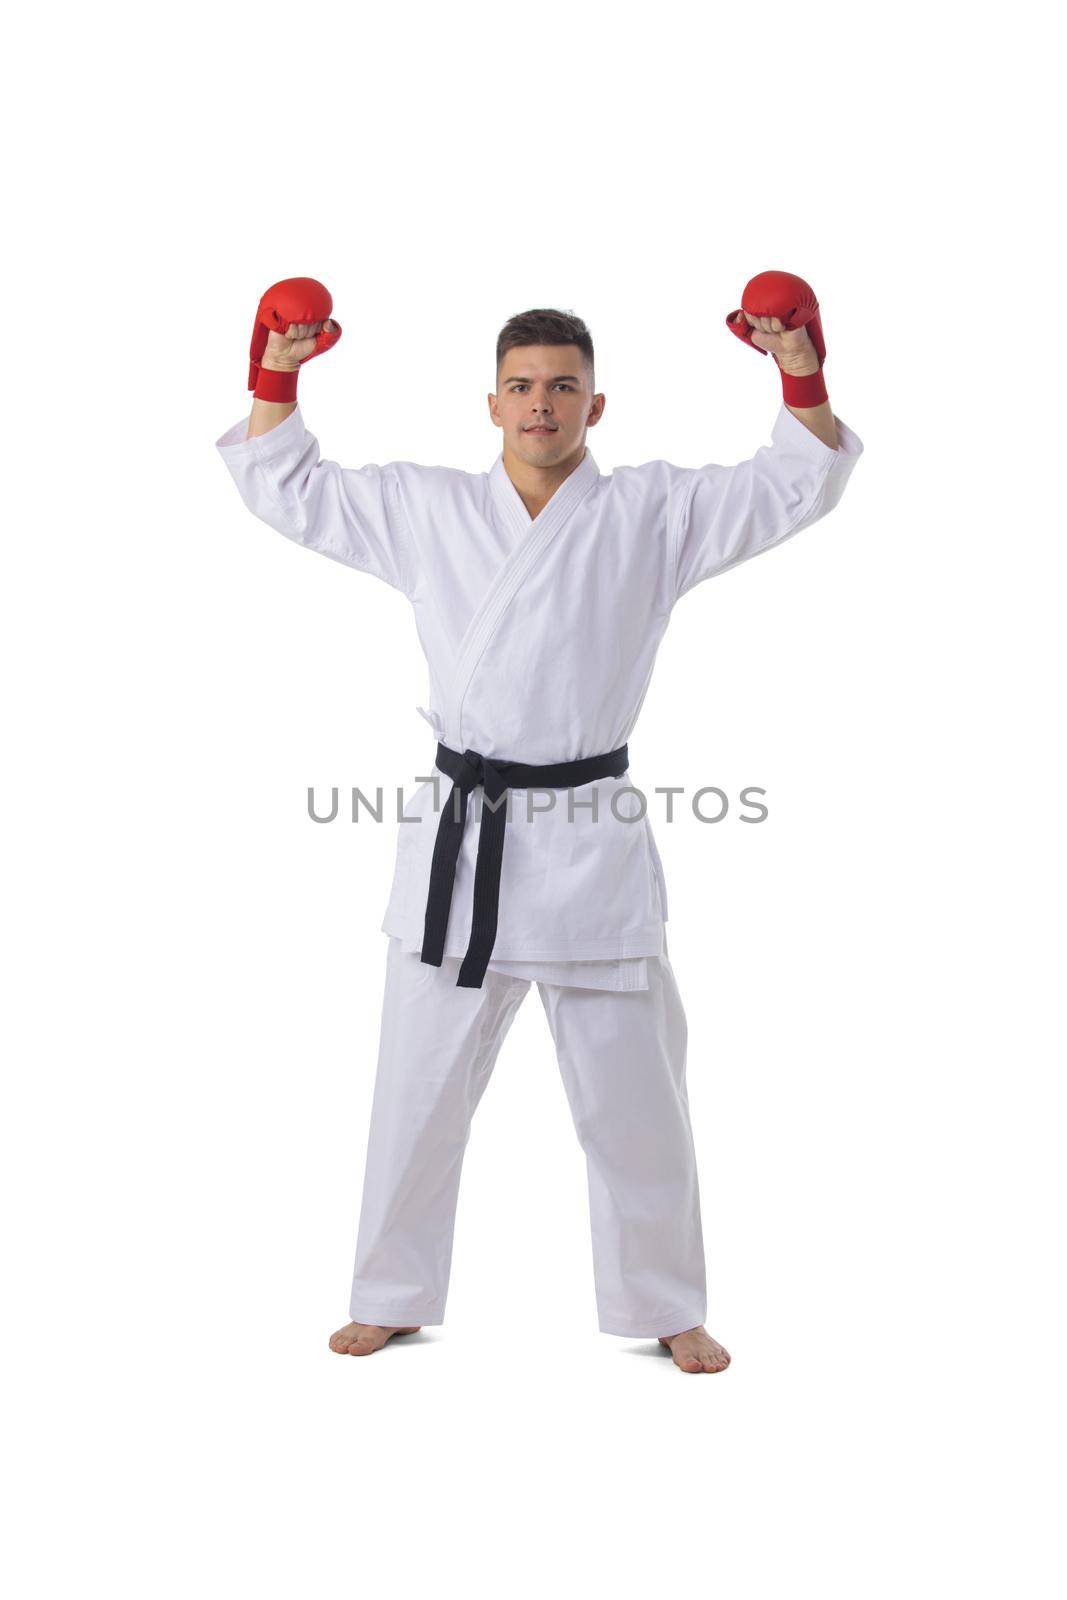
(540, 636)
(629, 973)
(623, 1060)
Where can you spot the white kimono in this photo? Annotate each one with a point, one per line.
(540, 635)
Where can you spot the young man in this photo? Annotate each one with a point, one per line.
(541, 591)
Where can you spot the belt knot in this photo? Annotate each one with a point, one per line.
(478, 769)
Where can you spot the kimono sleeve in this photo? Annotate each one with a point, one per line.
(352, 514)
(726, 514)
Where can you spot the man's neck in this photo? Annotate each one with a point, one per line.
(537, 485)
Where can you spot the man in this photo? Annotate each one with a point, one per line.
(541, 591)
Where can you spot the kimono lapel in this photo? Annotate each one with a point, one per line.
(535, 536)
(512, 506)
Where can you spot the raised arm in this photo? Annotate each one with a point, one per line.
(354, 515)
(779, 316)
(724, 515)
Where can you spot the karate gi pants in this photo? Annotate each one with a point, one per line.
(622, 1057)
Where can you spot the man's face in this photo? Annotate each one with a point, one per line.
(544, 403)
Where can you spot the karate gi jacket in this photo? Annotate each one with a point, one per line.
(540, 635)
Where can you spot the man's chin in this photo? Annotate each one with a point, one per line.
(539, 445)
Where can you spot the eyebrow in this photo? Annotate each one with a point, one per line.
(559, 378)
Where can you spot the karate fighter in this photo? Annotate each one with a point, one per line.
(541, 590)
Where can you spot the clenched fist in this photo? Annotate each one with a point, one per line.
(779, 316)
(285, 351)
(792, 348)
(293, 324)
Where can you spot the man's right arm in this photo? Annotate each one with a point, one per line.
(354, 515)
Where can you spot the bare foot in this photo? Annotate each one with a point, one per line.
(696, 1351)
(363, 1338)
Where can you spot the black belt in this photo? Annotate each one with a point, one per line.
(467, 771)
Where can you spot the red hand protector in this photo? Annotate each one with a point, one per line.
(292, 300)
(792, 301)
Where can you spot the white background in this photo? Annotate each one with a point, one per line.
(872, 978)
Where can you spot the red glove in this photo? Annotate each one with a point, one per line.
(793, 302)
(292, 300)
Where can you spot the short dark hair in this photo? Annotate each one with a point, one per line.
(546, 327)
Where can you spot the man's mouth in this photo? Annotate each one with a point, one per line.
(539, 429)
